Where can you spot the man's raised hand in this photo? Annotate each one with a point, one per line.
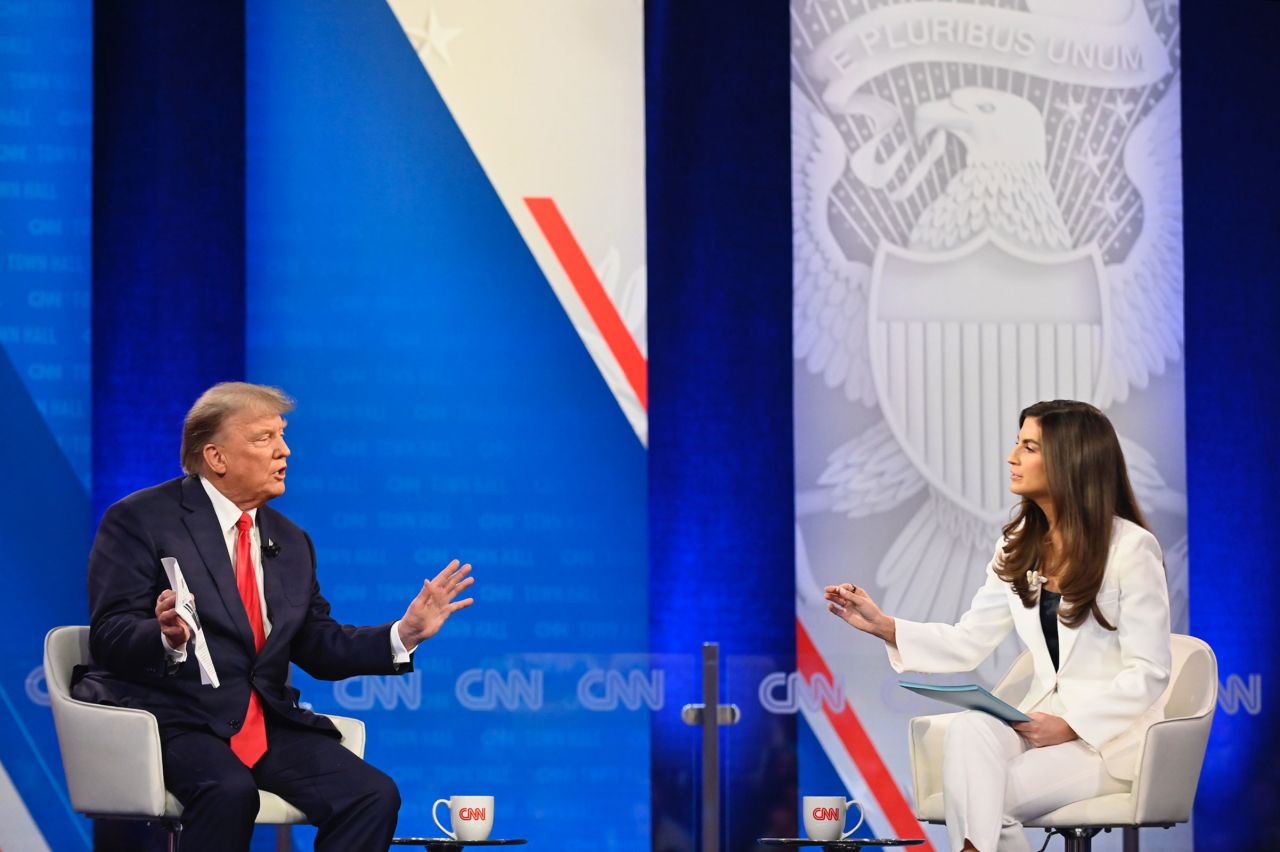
(432, 607)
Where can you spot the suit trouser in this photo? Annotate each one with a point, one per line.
(354, 804)
(993, 781)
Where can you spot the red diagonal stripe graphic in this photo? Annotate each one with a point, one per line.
(587, 284)
(854, 737)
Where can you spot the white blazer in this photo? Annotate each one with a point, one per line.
(1111, 682)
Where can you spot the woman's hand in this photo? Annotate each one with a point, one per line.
(854, 605)
(1045, 730)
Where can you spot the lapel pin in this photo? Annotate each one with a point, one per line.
(1034, 581)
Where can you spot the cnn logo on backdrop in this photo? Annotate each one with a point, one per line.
(826, 813)
(470, 814)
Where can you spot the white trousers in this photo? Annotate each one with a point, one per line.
(993, 781)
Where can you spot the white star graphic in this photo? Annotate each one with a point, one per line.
(1074, 110)
(435, 38)
(1091, 160)
(1122, 109)
(1111, 206)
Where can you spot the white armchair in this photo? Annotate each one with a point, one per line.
(1164, 788)
(111, 755)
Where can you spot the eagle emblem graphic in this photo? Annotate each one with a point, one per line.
(970, 238)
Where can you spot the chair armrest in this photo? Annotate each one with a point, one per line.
(1169, 769)
(112, 758)
(352, 731)
(927, 735)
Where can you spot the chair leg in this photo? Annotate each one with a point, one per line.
(174, 830)
(1078, 839)
(1131, 839)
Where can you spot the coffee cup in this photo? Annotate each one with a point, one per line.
(824, 817)
(470, 816)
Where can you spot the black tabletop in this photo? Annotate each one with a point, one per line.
(850, 843)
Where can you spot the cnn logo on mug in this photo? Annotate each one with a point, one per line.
(471, 817)
(824, 817)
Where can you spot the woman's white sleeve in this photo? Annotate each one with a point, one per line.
(935, 648)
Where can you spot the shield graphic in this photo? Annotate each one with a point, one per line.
(962, 340)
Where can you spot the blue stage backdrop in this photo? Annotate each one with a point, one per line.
(446, 407)
(168, 236)
(721, 518)
(45, 127)
(1233, 306)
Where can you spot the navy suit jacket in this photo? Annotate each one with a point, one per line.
(177, 519)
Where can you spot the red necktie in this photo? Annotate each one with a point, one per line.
(250, 743)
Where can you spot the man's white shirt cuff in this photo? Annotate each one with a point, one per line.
(175, 656)
(399, 653)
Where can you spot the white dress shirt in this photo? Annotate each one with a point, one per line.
(228, 514)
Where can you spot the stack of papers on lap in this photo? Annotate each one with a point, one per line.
(971, 697)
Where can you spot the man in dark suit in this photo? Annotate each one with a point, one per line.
(253, 574)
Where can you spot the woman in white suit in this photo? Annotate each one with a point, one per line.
(1079, 577)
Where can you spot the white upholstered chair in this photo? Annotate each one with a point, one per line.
(1168, 766)
(111, 755)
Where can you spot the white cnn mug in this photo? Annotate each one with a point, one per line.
(471, 816)
(824, 817)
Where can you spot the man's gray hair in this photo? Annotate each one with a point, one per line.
(215, 405)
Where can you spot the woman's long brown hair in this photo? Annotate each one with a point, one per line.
(1089, 485)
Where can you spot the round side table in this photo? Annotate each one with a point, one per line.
(832, 845)
(448, 844)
